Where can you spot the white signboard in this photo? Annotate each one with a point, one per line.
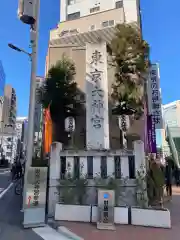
(97, 117)
(35, 197)
(106, 209)
(154, 96)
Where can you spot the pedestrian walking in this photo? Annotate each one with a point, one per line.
(176, 176)
(13, 171)
(19, 169)
(169, 179)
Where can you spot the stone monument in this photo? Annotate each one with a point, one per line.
(97, 116)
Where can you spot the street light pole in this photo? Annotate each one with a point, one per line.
(30, 135)
(34, 43)
(19, 50)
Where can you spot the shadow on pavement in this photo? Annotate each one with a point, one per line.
(10, 206)
(11, 219)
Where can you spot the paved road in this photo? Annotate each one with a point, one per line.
(5, 179)
(10, 215)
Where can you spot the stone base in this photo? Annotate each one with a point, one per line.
(106, 226)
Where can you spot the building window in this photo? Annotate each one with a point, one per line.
(131, 161)
(9, 139)
(76, 167)
(63, 167)
(119, 4)
(103, 167)
(73, 16)
(70, 2)
(90, 167)
(8, 154)
(117, 166)
(94, 9)
(108, 23)
(111, 23)
(105, 24)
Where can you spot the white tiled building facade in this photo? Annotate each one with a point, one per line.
(19, 123)
(73, 9)
(82, 16)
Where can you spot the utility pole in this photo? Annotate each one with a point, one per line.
(31, 18)
(34, 44)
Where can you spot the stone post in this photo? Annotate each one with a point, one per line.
(54, 176)
(140, 168)
(97, 115)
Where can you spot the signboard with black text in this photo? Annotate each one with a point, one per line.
(106, 202)
(35, 204)
(154, 96)
(97, 115)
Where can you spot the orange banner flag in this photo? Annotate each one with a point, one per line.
(47, 130)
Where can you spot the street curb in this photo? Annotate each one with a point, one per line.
(67, 233)
(64, 231)
(48, 233)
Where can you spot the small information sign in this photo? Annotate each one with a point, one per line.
(106, 209)
(35, 204)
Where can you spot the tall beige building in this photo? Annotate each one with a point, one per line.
(8, 123)
(85, 21)
(9, 106)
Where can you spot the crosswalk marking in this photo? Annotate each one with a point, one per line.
(48, 233)
(5, 190)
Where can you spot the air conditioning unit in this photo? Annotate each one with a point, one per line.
(27, 11)
(92, 27)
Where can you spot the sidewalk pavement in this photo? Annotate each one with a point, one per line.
(89, 232)
(11, 224)
(11, 219)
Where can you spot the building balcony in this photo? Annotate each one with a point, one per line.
(90, 22)
(80, 39)
(13, 99)
(13, 103)
(12, 114)
(12, 120)
(12, 111)
(89, 27)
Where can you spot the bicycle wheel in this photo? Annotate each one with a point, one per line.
(18, 188)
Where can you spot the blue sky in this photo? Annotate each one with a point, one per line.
(160, 28)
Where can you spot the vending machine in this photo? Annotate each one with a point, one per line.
(106, 201)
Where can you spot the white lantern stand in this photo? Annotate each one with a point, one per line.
(70, 128)
(124, 124)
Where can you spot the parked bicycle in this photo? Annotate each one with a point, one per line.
(19, 185)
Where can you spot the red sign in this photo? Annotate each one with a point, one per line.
(29, 201)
